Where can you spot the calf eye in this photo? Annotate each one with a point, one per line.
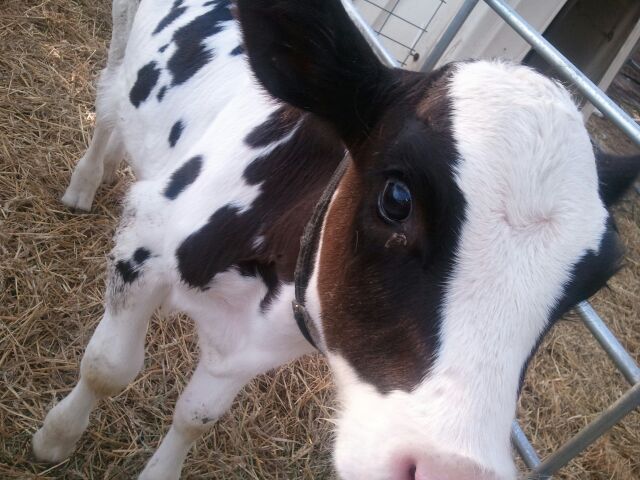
(394, 201)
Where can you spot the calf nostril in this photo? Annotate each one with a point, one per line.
(411, 473)
(404, 469)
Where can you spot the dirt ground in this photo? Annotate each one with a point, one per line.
(52, 276)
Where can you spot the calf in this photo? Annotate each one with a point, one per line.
(465, 218)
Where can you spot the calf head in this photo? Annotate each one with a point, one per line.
(468, 220)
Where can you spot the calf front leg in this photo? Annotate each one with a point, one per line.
(206, 397)
(225, 366)
(112, 359)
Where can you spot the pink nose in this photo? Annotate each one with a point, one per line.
(438, 468)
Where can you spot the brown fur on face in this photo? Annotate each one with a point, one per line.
(383, 348)
(434, 101)
(381, 283)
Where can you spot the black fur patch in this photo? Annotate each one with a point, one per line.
(161, 93)
(310, 55)
(592, 272)
(176, 10)
(239, 50)
(616, 175)
(147, 79)
(163, 48)
(129, 270)
(141, 255)
(276, 127)
(175, 133)
(589, 275)
(215, 247)
(191, 53)
(268, 274)
(183, 177)
(292, 177)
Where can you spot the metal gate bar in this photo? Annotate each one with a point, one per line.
(448, 35)
(621, 358)
(589, 434)
(525, 449)
(548, 52)
(565, 68)
(609, 342)
(607, 419)
(382, 53)
(421, 29)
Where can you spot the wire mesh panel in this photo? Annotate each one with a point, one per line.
(411, 29)
(402, 25)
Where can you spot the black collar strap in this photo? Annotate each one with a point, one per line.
(308, 247)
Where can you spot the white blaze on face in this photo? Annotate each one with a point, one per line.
(527, 172)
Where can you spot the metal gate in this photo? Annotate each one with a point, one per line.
(542, 469)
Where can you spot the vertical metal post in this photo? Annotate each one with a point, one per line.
(448, 35)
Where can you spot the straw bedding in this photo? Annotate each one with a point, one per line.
(52, 276)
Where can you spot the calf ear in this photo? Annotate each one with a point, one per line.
(616, 175)
(310, 54)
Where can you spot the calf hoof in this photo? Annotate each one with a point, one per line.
(158, 471)
(110, 174)
(110, 177)
(78, 198)
(50, 447)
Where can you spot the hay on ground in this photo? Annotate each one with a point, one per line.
(51, 286)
